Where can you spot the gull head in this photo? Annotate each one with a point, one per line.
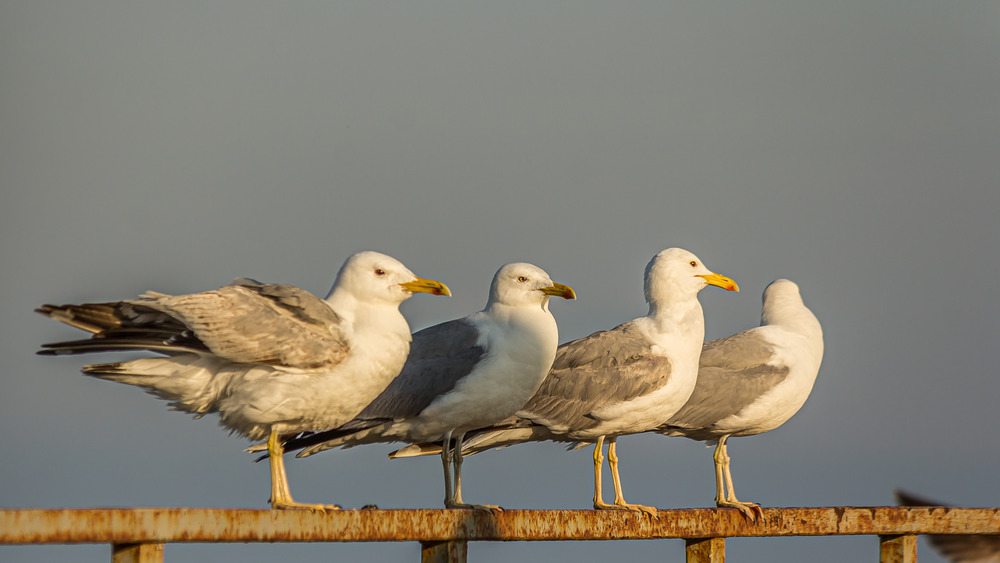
(781, 300)
(676, 273)
(781, 289)
(782, 303)
(521, 284)
(783, 306)
(376, 277)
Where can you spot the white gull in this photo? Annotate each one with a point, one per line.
(752, 382)
(271, 359)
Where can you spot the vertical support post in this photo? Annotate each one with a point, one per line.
(137, 553)
(705, 550)
(443, 551)
(897, 549)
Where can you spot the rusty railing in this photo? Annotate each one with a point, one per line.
(140, 534)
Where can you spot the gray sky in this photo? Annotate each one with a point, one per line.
(848, 146)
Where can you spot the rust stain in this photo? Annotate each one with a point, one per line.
(141, 525)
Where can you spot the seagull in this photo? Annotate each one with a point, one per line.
(462, 374)
(959, 548)
(271, 359)
(752, 382)
(615, 382)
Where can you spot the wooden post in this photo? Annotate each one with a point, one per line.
(137, 553)
(706, 550)
(444, 551)
(897, 549)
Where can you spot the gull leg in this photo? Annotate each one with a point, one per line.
(599, 503)
(279, 482)
(619, 497)
(456, 468)
(720, 492)
(598, 463)
(281, 498)
(749, 509)
(282, 480)
(449, 494)
(456, 463)
(456, 459)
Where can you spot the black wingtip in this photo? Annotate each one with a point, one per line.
(49, 309)
(904, 498)
(53, 349)
(100, 370)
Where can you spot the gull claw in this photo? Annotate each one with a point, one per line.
(650, 511)
(749, 510)
(284, 505)
(483, 507)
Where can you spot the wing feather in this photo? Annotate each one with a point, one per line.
(247, 322)
(440, 356)
(605, 368)
(733, 372)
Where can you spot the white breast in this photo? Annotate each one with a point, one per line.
(521, 345)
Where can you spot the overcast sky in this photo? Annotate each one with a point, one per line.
(849, 146)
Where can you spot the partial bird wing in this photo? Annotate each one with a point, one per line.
(440, 356)
(603, 369)
(970, 548)
(734, 371)
(246, 322)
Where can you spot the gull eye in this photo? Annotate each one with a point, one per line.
(522, 279)
(694, 264)
(379, 272)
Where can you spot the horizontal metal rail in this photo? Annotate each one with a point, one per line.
(138, 534)
(138, 525)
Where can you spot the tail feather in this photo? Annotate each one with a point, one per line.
(91, 317)
(191, 383)
(416, 450)
(354, 433)
(480, 440)
(504, 437)
(123, 325)
(152, 384)
(91, 345)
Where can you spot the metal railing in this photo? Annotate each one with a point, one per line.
(140, 534)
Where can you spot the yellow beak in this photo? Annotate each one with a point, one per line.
(720, 281)
(559, 290)
(421, 285)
